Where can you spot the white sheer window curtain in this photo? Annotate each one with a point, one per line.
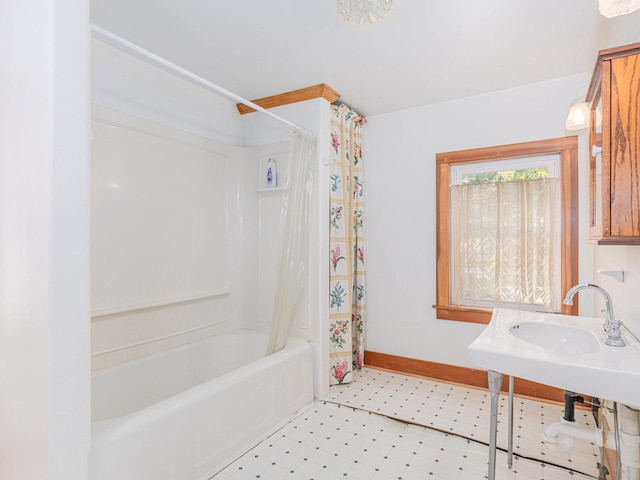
(505, 243)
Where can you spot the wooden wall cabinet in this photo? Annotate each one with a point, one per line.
(614, 190)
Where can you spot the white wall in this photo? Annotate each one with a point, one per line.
(622, 30)
(44, 240)
(400, 151)
(626, 301)
(127, 84)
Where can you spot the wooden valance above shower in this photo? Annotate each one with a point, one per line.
(309, 93)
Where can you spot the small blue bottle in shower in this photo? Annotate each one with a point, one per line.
(272, 175)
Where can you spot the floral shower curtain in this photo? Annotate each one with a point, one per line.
(347, 272)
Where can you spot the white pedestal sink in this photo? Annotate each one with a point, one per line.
(559, 350)
(562, 351)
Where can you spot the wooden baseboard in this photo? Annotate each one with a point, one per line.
(462, 375)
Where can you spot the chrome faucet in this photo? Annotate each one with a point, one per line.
(611, 327)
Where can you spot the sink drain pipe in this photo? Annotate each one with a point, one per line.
(570, 400)
(560, 437)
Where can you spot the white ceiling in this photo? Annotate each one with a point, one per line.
(424, 52)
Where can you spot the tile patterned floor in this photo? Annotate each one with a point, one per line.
(391, 426)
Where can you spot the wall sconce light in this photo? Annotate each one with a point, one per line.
(613, 8)
(578, 117)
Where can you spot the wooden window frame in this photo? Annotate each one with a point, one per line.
(567, 147)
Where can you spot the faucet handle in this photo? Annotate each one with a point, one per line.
(612, 325)
(613, 335)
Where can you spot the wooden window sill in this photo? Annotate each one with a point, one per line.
(463, 314)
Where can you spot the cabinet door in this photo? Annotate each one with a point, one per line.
(624, 146)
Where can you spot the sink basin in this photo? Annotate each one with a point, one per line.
(562, 351)
(560, 338)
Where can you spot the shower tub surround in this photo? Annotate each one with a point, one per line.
(184, 412)
(184, 242)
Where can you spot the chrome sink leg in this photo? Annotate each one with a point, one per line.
(495, 384)
(510, 448)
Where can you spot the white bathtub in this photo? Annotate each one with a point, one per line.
(183, 413)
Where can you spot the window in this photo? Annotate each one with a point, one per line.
(504, 240)
(497, 211)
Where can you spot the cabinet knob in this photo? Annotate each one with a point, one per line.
(595, 150)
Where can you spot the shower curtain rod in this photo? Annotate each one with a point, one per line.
(112, 39)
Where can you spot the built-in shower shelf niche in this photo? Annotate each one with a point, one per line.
(272, 189)
(273, 168)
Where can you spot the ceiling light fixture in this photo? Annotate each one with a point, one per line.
(613, 8)
(365, 11)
